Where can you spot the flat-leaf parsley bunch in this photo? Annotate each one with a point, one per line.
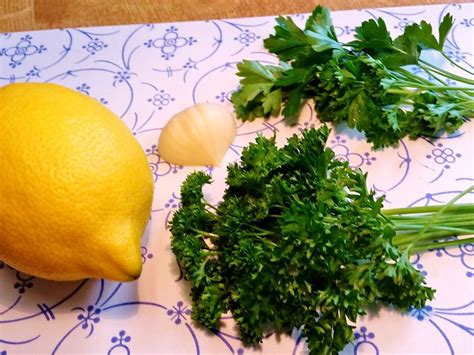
(365, 83)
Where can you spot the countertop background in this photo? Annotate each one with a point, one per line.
(26, 15)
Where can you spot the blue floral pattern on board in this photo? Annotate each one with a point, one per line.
(23, 283)
(179, 313)
(457, 55)
(170, 42)
(89, 316)
(161, 99)
(364, 341)
(443, 156)
(21, 50)
(404, 22)
(120, 342)
(146, 73)
(438, 318)
(464, 253)
(146, 254)
(355, 160)
(94, 46)
(158, 166)
(247, 37)
(468, 22)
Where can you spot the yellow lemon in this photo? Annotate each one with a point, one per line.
(75, 186)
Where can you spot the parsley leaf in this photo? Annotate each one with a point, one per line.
(288, 40)
(444, 27)
(372, 34)
(320, 28)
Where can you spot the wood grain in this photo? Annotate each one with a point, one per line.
(22, 15)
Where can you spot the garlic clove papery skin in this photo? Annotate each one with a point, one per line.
(197, 136)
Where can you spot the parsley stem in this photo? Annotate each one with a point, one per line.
(426, 209)
(454, 229)
(466, 105)
(436, 215)
(416, 78)
(443, 244)
(402, 92)
(439, 80)
(205, 234)
(260, 234)
(433, 75)
(261, 230)
(445, 218)
(211, 207)
(461, 227)
(276, 215)
(405, 75)
(468, 90)
(403, 240)
(404, 84)
(423, 64)
(455, 64)
(209, 253)
(415, 226)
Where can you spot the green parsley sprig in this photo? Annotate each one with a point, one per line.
(364, 83)
(299, 241)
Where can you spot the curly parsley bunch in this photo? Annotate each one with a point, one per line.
(299, 241)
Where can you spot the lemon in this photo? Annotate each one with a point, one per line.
(75, 186)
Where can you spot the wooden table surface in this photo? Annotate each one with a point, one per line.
(21, 15)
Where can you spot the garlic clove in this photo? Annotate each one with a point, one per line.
(198, 135)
